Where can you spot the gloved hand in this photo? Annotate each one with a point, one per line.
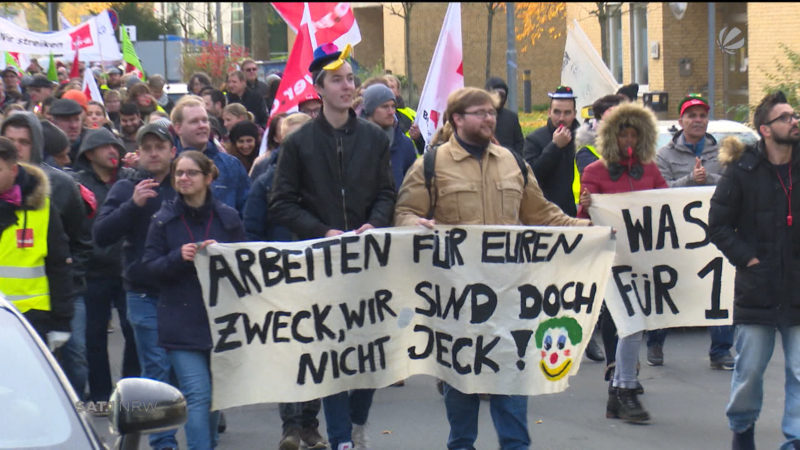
(56, 339)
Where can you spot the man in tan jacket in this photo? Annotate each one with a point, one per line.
(476, 182)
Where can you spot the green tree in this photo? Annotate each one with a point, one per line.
(148, 26)
(787, 78)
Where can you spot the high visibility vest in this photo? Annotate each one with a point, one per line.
(23, 280)
(576, 178)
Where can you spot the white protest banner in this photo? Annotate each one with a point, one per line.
(584, 70)
(501, 309)
(666, 273)
(94, 39)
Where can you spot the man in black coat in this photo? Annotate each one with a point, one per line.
(333, 176)
(508, 132)
(238, 92)
(752, 221)
(550, 150)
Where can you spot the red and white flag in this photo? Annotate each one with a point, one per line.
(445, 74)
(330, 22)
(89, 88)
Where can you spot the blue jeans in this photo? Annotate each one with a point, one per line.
(72, 356)
(721, 339)
(754, 347)
(194, 376)
(101, 295)
(153, 359)
(627, 357)
(509, 414)
(344, 409)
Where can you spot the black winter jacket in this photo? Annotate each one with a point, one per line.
(508, 131)
(554, 167)
(120, 219)
(182, 316)
(333, 179)
(253, 103)
(747, 219)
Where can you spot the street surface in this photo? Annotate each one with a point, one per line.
(685, 398)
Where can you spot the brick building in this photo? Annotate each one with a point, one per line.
(647, 44)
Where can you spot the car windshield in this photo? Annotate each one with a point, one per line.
(36, 412)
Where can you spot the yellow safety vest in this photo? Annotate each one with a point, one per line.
(576, 178)
(23, 280)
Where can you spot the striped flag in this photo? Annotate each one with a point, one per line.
(132, 63)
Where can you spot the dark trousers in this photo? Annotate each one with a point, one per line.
(102, 294)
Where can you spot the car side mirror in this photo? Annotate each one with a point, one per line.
(144, 406)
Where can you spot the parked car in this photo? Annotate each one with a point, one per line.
(175, 91)
(41, 410)
(720, 129)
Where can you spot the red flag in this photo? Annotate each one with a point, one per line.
(330, 22)
(76, 67)
(296, 85)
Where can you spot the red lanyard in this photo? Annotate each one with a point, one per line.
(208, 226)
(787, 192)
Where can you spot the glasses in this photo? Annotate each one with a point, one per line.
(785, 118)
(191, 173)
(482, 114)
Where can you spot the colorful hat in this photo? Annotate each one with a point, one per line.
(562, 92)
(692, 100)
(328, 57)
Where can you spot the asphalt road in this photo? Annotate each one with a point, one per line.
(685, 398)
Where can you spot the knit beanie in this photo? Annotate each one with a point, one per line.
(244, 128)
(375, 96)
(55, 141)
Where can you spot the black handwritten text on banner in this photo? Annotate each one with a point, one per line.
(666, 273)
(487, 309)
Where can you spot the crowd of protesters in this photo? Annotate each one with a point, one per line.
(141, 182)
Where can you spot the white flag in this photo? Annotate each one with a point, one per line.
(584, 70)
(445, 74)
(89, 88)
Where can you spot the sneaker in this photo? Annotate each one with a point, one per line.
(359, 436)
(630, 409)
(290, 440)
(655, 355)
(312, 438)
(724, 362)
(746, 440)
(593, 350)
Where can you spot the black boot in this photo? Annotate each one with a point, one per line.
(746, 440)
(612, 406)
(630, 409)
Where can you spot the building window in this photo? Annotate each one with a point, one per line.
(614, 39)
(639, 56)
(237, 23)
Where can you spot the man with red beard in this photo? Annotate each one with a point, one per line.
(465, 156)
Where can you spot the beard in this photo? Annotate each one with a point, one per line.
(475, 137)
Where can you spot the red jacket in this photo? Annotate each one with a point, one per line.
(597, 180)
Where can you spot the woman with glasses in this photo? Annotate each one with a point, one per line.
(180, 229)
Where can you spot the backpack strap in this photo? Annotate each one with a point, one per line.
(429, 170)
(522, 167)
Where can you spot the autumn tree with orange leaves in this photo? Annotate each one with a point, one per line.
(538, 19)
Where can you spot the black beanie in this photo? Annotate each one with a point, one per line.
(244, 128)
(55, 141)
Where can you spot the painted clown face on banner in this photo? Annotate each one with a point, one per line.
(557, 339)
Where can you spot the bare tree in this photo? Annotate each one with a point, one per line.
(404, 12)
(188, 16)
(491, 9)
(602, 13)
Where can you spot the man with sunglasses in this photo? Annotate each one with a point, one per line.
(250, 69)
(752, 221)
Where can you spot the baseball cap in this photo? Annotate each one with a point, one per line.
(159, 128)
(692, 100)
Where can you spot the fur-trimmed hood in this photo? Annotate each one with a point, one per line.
(636, 116)
(35, 186)
(730, 150)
